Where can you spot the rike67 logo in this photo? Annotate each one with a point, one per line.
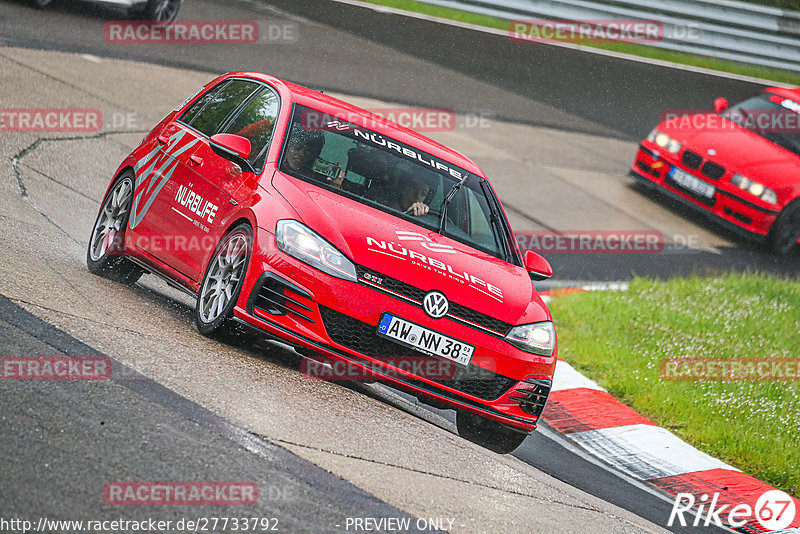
(774, 511)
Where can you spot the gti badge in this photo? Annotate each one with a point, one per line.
(435, 304)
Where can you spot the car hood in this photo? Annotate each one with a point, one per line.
(401, 250)
(739, 150)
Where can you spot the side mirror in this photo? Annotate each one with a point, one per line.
(720, 104)
(538, 267)
(234, 148)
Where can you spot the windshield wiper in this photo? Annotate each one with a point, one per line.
(447, 199)
(497, 222)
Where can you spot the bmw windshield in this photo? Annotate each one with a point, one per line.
(771, 116)
(397, 179)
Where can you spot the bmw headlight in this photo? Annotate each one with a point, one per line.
(301, 242)
(664, 141)
(754, 188)
(538, 338)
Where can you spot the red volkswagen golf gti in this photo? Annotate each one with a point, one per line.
(740, 165)
(359, 242)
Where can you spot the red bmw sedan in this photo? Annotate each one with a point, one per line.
(739, 165)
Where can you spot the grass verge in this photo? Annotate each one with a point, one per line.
(619, 339)
(651, 52)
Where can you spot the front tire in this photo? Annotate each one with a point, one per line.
(105, 254)
(785, 230)
(223, 282)
(487, 433)
(163, 11)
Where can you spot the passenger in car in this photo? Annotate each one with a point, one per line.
(303, 150)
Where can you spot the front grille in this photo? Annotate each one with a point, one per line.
(691, 160)
(532, 395)
(361, 337)
(457, 311)
(712, 170)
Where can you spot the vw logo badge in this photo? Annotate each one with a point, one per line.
(435, 304)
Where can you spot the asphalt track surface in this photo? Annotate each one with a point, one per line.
(132, 428)
(564, 88)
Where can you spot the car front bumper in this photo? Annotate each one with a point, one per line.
(732, 211)
(295, 303)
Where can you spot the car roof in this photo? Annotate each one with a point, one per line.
(787, 92)
(305, 96)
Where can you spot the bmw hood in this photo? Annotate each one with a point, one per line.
(738, 149)
(395, 249)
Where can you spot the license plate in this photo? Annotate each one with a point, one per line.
(695, 185)
(424, 340)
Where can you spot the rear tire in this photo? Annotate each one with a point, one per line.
(222, 283)
(105, 254)
(785, 230)
(487, 433)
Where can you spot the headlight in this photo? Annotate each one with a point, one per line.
(538, 338)
(754, 188)
(301, 242)
(664, 141)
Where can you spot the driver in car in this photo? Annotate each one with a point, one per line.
(408, 194)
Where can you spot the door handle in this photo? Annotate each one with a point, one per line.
(163, 139)
(196, 160)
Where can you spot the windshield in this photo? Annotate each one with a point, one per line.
(771, 116)
(395, 178)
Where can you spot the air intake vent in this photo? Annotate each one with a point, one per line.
(532, 395)
(276, 296)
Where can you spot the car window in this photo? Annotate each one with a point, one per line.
(195, 108)
(256, 122)
(390, 176)
(219, 106)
